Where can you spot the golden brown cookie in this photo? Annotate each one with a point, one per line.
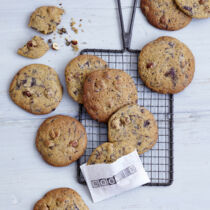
(195, 8)
(164, 14)
(37, 89)
(61, 140)
(106, 91)
(166, 65)
(135, 125)
(34, 48)
(76, 72)
(61, 199)
(45, 19)
(110, 152)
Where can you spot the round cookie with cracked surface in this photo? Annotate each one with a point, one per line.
(195, 8)
(36, 88)
(61, 140)
(106, 91)
(133, 124)
(45, 19)
(109, 152)
(34, 48)
(61, 199)
(166, 65)
(77, 71)
(164, 14)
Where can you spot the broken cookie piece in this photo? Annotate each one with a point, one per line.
(35, 48)
(45, 19)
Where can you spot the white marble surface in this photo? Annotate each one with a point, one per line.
(25, 177)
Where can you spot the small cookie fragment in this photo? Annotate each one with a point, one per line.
(36, 88)
(110, 152)
(195, 8)
(74, 45)
(45, 19)
(107, 91)
(76, 72)
(61, 140)
(62, 31)
(55, 46)
(164, 14)
(133, 124)
(61, 199)
(34, 48)
(73, 28)
(166, 65)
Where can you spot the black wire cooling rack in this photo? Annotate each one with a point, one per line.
(158, 162)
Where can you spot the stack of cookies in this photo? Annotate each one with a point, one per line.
(173, 15)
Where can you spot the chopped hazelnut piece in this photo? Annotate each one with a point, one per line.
(55, 46)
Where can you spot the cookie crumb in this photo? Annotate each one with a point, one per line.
(62, 31)
(74, 45)
(49, 41)
(73, 28)
(72, 23)
(74, 42)
(67, 42)
(55, 46)
(80, 25)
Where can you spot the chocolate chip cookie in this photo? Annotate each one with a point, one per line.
(164, 14)
(61, 199)
(106, 91)
(110, 152)
(135, 125)
(61, 140)
(37, 89)
(45, 19)
(76, 72)
(166, 65)
(34, 48)
(195, 8)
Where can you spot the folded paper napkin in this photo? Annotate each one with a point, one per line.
(107, 180)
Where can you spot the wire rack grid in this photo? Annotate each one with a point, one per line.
(158, 162)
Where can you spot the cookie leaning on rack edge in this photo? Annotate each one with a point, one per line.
(77, 70)
(133, 124)
(61, 140)
(36, 88)
(61, 199)
(166, 65)
(106, 91)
